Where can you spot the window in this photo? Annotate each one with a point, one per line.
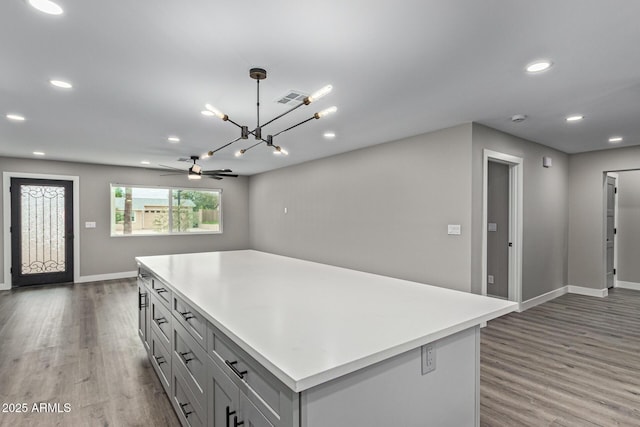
(145, 211)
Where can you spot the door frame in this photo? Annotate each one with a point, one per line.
(6, 203)
(516, 186)
(616, 176)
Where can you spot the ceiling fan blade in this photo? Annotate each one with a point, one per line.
(226, 174)
(213, 172)
(167, 174)
(214, 177)
(171, 167)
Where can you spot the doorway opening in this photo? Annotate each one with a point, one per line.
(40, 221)
(502, 188)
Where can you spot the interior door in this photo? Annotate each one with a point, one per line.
(611, 231)
(41, 231)
(498, 230)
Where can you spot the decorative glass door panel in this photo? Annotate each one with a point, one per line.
(41, 231)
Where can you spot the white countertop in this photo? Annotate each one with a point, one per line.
(309, 323)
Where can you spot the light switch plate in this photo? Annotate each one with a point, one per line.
(492, 226)
(453, 229)
(90, 224)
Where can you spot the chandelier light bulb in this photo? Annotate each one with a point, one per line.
(320, 93)
(47, 6)
(240, 152)
(326, 112)
(215, 111)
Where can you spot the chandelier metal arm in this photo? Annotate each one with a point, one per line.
(296, 125)
(212, 152)
(284, 114)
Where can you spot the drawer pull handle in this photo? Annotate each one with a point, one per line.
(160, 360)
(237, 423)
(185, 358)
(142, 296)
(161, 320)
(184, 411)
(161, 290)
(232, 366)
(187, 315)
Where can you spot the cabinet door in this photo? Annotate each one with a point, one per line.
(143, 317)
(251, 416)
(223, 397)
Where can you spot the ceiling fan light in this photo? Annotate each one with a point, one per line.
(194, 176)
(326, 112)
(319, 93)
(195, 169)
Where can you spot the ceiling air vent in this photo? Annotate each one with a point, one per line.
(292, 97)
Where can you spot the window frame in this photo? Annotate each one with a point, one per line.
(170, 208)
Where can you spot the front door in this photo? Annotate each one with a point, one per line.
(41, 231)
(611, 231)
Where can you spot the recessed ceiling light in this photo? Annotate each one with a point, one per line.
(575, 118)
(61, 84)
(38, 153)
(615, 139)
(173, 139)
(16, 117)
(329, 135)
(207, 113)
(46, 6)
(539, 66)
(145, 162)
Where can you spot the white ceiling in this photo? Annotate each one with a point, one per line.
(143, 70)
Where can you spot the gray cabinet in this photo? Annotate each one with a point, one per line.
(143, 309)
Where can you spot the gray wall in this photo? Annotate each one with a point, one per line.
(102, 254)
(545, 231)
(586, 211)
(382, 209)
(628, 236)
(497, 241)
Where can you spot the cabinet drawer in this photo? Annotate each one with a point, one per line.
(268, 393)
(161, 320)
(162, 291)
(192, 321)
(161, 361)
(192, 360)
(188, 411)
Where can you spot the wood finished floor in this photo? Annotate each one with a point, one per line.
(574, 361)
(78, 344)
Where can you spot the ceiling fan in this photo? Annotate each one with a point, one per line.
(196, 172)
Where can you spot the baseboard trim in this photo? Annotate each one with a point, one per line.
(4, 287)
(540, 299)
(590, 292)
(627, 285)
(109, 276)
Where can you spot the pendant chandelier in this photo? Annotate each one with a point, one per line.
(260, 74)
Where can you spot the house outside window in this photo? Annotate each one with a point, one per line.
(145, 211)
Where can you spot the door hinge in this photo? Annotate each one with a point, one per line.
(614, 271)
(615, 231)
(615, 190)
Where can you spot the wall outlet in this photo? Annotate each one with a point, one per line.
(90, 224)
(428, 358)
(490, 279)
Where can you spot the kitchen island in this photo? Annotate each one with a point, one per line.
(255, 339)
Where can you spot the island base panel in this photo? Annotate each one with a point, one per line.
(395, 393)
